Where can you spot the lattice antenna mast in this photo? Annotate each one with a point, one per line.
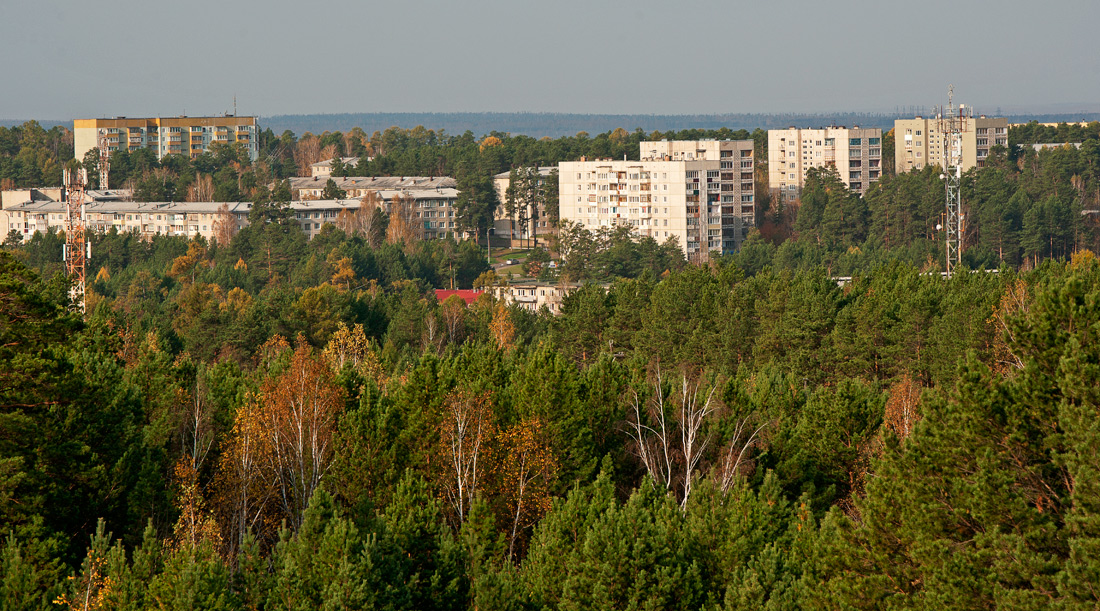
(77, 249)
(104, 159)
(953, 122)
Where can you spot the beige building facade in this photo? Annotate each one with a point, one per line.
(919, 142)
(509, 227)
(188, 136)
(856, 153)
(433, 211)
(705, 204)
(533, 296)
(311, 187)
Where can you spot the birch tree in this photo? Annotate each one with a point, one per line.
(467, 428)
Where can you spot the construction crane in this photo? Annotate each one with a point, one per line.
(953, 122)
(77, 250)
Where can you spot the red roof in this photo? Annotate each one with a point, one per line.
(467, 295)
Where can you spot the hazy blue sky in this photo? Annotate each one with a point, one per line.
(64, 59)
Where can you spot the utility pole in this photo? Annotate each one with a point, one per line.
(77, 249)
(953, 121)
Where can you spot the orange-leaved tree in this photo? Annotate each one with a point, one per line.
(300, 410)
(527, 472)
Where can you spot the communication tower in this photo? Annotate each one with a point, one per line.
(104, 159)
(953, 122)
(77, 249)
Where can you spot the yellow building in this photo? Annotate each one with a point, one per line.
(189, 136)
(919, 143)
(855, 153)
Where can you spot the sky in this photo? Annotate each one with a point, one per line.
(68, 59)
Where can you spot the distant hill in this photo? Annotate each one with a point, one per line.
(45, 123)
(555, 125)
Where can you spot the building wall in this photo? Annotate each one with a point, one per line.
(534, 296)
(434, 211)
(919, 143)
(658, 199)
(855, 153)
(189, 136)
(504, 226)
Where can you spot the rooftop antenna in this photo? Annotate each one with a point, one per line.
(234, 104)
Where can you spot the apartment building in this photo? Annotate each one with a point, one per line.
(311, 187)
(323, 169)
(918, 142)
(533, 296)
(504, 226)
(433, 210)
(189, 136)
(146, 219)
(704, 201)
(855, 153)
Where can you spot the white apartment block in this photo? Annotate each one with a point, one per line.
(919, 142)
(188, 136)
(434, 209)
(855, 153)
(704, 201)
(311, 187)
(533, 296)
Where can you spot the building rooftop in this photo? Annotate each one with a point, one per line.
(328, 162)
(544, 170)
(374, 182)
(466, 295)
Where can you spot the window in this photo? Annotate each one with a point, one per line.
(874, 141)
(855, 141)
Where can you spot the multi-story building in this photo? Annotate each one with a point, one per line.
(533, 296)
(323, 169)
(432, 210)
(706, 203)
(505, 226)
(188, 136)
(855, 153)
(919, 142)
(311, 187)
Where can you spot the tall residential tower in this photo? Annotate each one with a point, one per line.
(855, 153)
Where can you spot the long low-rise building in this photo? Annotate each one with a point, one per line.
(312, 187)
(533, 296)
(432, 211)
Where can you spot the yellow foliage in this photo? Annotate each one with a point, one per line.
(489, 141)
(237, 301)
(185, 266)
(241, 265)
(103, 275)
(502, 327)
(344, 273)
(1082, 259)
